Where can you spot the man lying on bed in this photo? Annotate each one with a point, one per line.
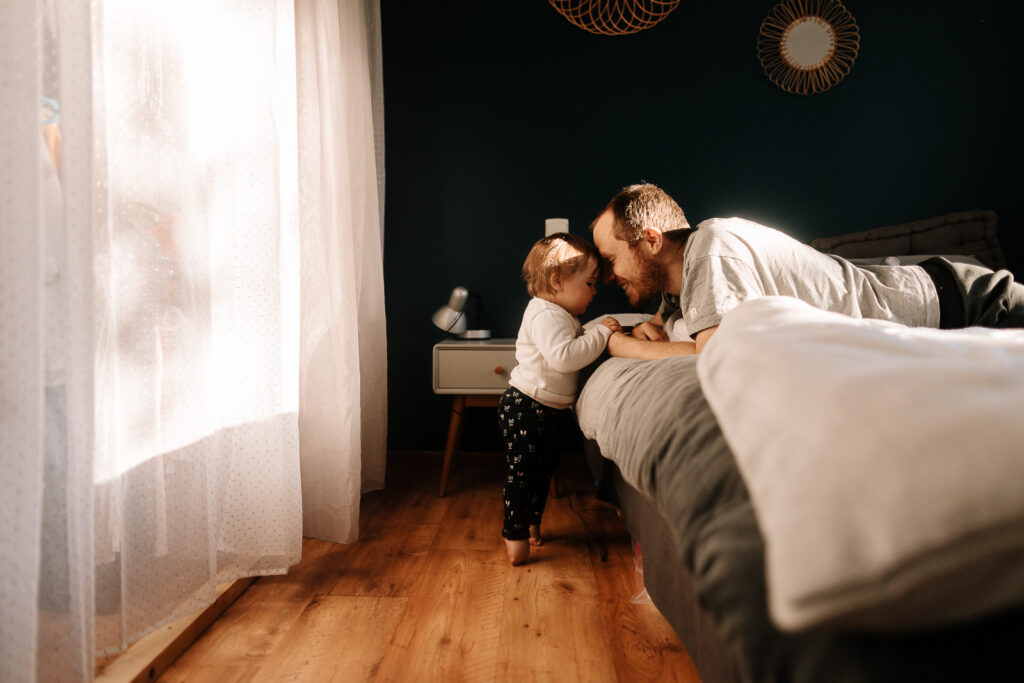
(705, 272)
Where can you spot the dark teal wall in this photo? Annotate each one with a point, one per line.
(500, 114)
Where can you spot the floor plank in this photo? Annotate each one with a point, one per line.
(387, 564)
(244, 637)
(427, 594)
(323, 646)
(551, 605)
(450, 629)
(473, 518)
(641, 645)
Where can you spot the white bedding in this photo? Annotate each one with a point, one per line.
(624, 319)
(675, 326)
(885, 463)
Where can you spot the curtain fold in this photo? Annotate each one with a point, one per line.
(343, 393)
(149, 298)
(22, 382)
(195, 260)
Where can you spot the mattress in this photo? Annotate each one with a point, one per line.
(683, 496)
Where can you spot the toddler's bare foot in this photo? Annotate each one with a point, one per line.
(535, 537)
(518, 551)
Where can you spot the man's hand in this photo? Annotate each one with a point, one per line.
(650, 332)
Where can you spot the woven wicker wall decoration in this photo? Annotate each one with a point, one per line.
(614, 17)
(807, 46)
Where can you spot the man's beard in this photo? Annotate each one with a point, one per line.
(650, 280)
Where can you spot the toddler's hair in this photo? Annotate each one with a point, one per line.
(561, 255)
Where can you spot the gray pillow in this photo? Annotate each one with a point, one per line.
(914, 259)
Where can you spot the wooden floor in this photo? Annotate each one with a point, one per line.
(427, 594)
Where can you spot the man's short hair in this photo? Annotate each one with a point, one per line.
(637, 208)
(561, 255)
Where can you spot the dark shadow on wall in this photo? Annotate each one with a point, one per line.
(501, 115)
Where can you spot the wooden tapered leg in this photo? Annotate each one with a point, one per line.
(454, 435)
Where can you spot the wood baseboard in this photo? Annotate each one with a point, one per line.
(440, 454)
(150, 656)
(415, 453)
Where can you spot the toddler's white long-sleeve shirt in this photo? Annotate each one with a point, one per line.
(551, 349)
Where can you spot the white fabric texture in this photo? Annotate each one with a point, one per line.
(551, 348)
(628, 319)
(884, 462)
(22, 339)
(159, 457)
(343, 387)
(730, 260)
(675, 328)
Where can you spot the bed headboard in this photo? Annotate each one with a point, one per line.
(966, 232)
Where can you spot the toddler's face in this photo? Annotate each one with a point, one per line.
(576, 293)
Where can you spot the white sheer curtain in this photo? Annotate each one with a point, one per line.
(343, 395)
(149, 317)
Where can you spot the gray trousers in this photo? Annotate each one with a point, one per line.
(974, 296)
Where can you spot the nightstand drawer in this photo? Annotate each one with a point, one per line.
(468, 368)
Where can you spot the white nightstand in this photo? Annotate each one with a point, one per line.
(475, 372)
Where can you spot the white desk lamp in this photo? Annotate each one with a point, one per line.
(452, 318)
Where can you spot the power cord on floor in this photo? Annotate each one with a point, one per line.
(598, 538)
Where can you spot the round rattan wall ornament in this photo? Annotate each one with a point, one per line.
(807, 46)
(614, 17)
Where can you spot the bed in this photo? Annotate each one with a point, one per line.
(800, 492)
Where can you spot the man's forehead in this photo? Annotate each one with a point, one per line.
(604, 237)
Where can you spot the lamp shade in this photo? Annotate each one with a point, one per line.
(451, 318)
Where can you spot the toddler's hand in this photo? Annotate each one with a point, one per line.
(612, 324)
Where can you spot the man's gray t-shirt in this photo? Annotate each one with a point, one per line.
(729, 260)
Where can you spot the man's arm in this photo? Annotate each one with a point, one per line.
(703, 336)
(624, 346)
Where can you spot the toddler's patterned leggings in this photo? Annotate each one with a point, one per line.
(533, 434)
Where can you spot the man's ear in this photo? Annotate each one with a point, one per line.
(654, 239)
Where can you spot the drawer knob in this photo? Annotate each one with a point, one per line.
(498, 370)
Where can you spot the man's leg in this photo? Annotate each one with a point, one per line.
(991, 298)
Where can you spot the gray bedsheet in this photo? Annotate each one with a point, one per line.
(647, 413)
(651, 419)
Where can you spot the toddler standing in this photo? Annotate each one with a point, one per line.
(535, 412)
